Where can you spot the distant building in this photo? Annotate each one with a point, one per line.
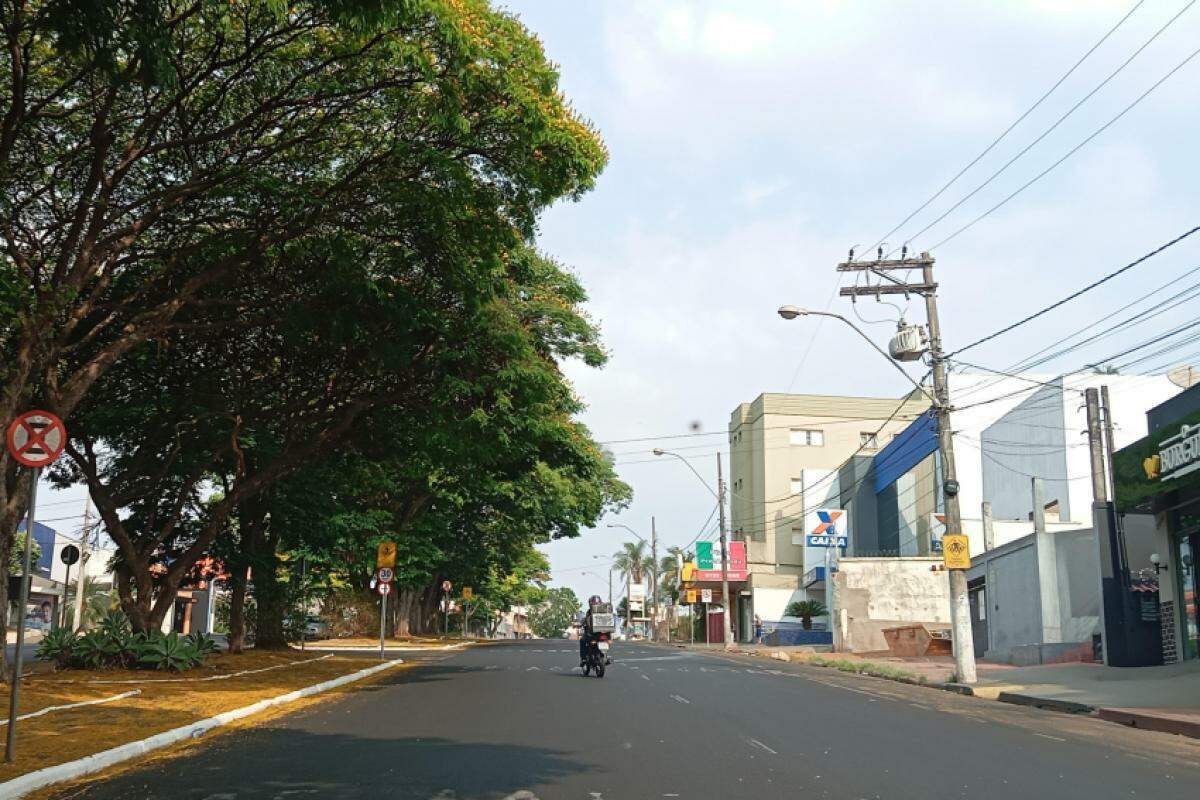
(784, 453)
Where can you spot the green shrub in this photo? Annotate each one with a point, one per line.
(58, 646)
(113, 645)
(205, 645)
(169, 652)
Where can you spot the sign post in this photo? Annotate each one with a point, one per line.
(69, 555)
(35, 439)
(468, 594)
(446, 587)
(384, 590)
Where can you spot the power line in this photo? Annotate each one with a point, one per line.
(1010, 128)
(1052, 128)
(1080, 292)
(1070, 152)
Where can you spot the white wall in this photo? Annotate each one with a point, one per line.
(97, 564)
(877, 593)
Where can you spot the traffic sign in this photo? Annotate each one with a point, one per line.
(691, 596)
(447, 586)
(386, 575)
(706, 595)
(386, 557)
(69, 554)
(384, 588)
(36, 438)
(956, 551)
(468, 593)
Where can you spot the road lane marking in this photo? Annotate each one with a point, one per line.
(645, 677)
(1048, 736)
(679, 699)
(762, 746)
(531, 669)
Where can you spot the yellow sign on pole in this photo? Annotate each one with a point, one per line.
(691, 596)
(956, 551)
(386, 557)
(468, 593)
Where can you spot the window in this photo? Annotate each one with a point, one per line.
(798, 535)
(808, 438)
(869, 440)
(797, 485)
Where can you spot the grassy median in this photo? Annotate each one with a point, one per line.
(166, 701)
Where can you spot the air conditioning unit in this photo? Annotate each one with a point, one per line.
(908, 344)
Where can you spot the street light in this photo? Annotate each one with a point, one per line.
(790, 312)
(964, 655)
(727, 630)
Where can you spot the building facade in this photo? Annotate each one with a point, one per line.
(785, 456)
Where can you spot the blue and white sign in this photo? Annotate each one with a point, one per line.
(827, 527)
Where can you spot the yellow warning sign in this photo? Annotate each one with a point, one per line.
(468, 593)
(691, 596)
(386, 557)
(956, 551)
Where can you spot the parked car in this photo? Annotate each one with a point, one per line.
(316, 628)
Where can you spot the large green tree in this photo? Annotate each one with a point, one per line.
(200, 146)
(551, 618)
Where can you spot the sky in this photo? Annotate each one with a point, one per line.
(752, 144)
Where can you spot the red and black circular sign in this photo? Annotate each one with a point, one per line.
(36, 438)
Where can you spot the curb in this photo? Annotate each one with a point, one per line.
(1145, 719)
(38, 779)
(1065, 706)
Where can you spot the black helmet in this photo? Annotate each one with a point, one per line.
(594, 600)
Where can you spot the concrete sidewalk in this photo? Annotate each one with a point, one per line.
(1163, 698)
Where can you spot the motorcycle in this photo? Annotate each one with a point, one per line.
(596, 657)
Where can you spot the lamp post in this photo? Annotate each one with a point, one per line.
(964, 651)
(727, 631)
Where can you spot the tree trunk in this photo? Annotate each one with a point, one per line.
(270, 594)
(237, 610)
(406, 601)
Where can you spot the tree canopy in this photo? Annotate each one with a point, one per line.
(275, 267)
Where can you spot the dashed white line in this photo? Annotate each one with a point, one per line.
(762, 746)
(1048, 736)
(683, 700)
(645, 677)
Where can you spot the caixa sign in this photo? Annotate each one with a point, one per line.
(1178, 455)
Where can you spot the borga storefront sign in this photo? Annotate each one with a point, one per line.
(1177, 456)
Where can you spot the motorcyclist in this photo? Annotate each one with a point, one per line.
(586, 634)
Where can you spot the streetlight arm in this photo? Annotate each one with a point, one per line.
(869, 340)
(660, 452)
(631, 530)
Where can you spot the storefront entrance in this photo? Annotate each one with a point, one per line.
(1186, 545)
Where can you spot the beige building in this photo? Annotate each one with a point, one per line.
(785, 451)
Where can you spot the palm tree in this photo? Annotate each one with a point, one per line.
(806, 610)
(631, 561)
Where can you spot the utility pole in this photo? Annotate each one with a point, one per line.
(84, 555)
(960, 608)
(725, 598)
(1096, 446)
(1110, 448)
(989, 527)
(654, 579)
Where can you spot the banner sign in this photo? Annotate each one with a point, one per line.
(737, 563)
(937, 529)
(827, 527)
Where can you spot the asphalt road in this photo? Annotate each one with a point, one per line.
(518, 721)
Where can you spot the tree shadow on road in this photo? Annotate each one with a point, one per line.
(287, 763)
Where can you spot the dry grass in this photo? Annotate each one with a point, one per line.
(165, 701)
